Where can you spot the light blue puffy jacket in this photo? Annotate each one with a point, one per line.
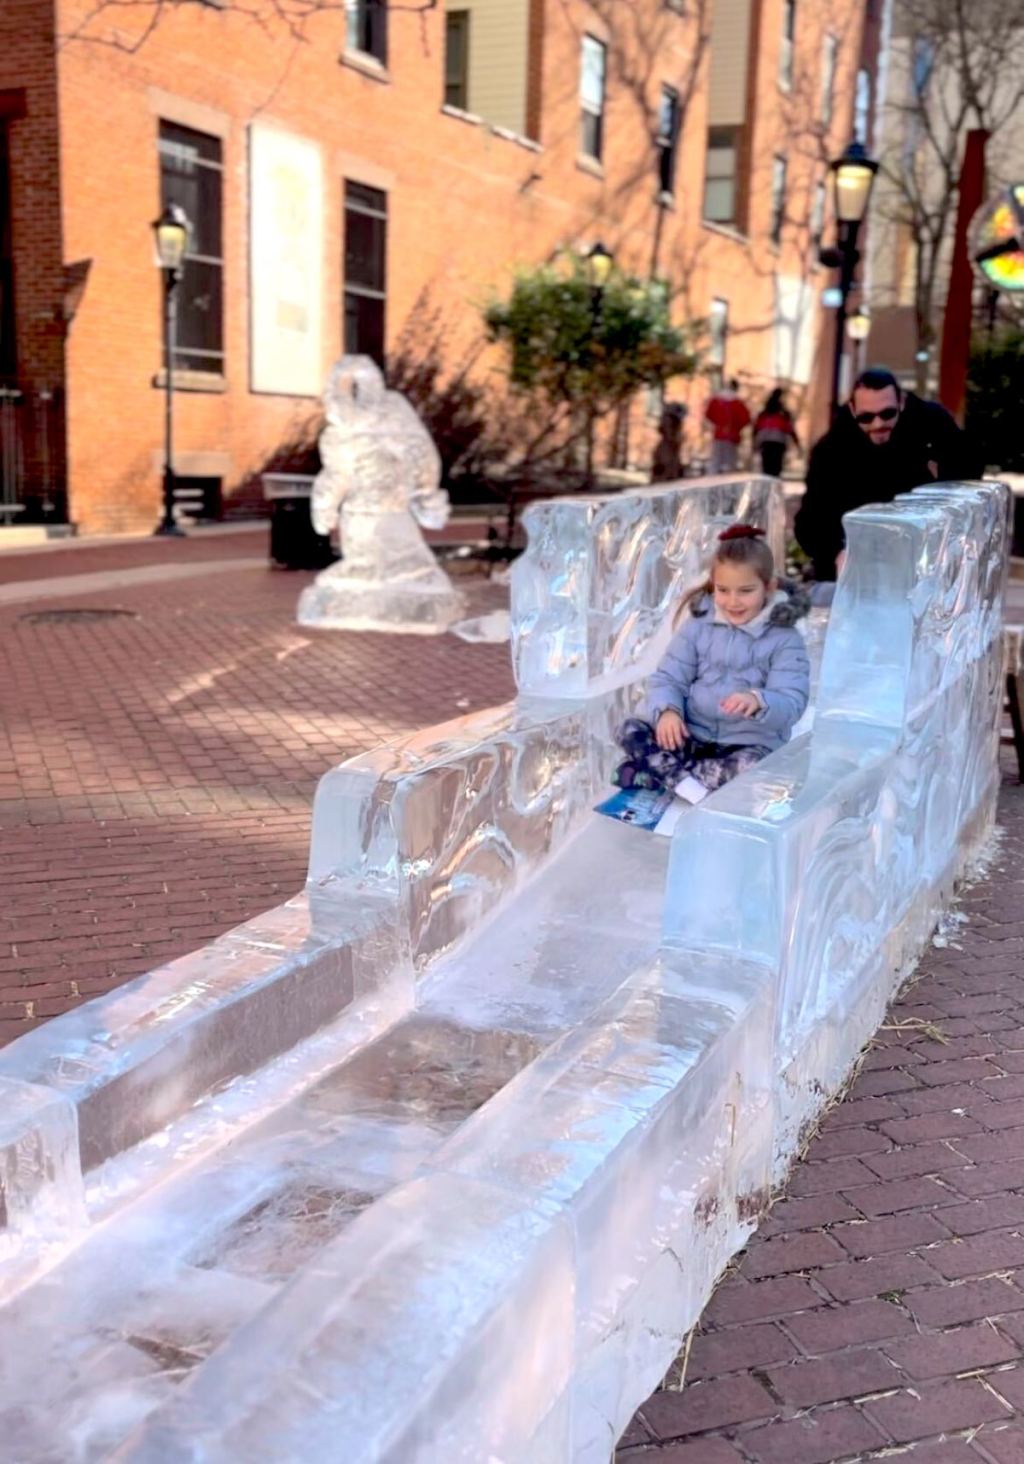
(708, 658)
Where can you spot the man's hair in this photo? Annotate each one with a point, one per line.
(876, 378)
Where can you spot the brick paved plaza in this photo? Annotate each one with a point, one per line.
(157, 769)
(156, 774)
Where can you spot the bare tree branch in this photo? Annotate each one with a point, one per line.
(958, 65)
(292, 15)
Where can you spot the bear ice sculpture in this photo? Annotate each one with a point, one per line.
(381, 477)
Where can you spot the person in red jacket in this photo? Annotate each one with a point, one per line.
(774, 430)
(729, 417)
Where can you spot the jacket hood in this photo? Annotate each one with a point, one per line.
(790, 604)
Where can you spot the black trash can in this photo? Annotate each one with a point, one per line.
(294, 543)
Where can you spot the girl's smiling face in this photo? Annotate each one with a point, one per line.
(740, 592)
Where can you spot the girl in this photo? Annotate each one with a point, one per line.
(774, 429)
(733, 683)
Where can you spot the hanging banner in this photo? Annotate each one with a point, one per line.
(286, 248)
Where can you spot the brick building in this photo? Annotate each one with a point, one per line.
(365, 177)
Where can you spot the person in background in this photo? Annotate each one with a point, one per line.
(729, 418)
(667, 464)
(774, 430)
(884, 442)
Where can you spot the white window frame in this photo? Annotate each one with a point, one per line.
(718, 332)
(780, 172)
(787, 44)
(829, 67)
(593, 107)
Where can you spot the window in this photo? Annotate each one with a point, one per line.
(191, 175)
(718, 333)
(787, 46)
(829, 61)
(366, 237)
(818, 215)
(907, 277)
(592, 83)
(720, 175)
(8, 352)
(456, 59)
(862, 106)
(778, 199)
(668, 139)
(368, 28)
(923, 65)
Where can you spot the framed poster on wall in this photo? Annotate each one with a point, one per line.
(286, 252)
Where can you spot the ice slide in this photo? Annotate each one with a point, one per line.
(439, 1160)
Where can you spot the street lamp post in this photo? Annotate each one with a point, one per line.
(171, 231)
(858, 328)
(853, 177)
(599, 265)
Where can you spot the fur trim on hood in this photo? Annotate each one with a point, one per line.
(792, 603)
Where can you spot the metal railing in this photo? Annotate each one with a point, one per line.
(31, 455)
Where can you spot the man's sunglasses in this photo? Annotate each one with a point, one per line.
(887, 414)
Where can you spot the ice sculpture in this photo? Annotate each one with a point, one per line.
(380, 483)
(41, 1192)
(505, 1068)
(595, 591)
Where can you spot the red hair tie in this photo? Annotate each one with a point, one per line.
(740, 531)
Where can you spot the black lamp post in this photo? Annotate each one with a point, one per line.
(853, 176)
(858, 328)
(599, 265)
(171, 231)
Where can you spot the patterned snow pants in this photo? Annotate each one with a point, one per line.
(647, 766)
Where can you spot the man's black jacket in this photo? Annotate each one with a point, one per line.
(847, 470)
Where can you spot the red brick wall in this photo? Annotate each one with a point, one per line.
(466, 207)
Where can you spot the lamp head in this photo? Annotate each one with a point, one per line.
(858, 327)
(853, 177)
(599, 263)
(171, 233)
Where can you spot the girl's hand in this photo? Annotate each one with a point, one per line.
(670, 733)
(741, 704)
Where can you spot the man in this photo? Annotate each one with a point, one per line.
(885, 442)
(728, 416)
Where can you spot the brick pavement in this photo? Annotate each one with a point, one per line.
(157, 769)
(67, 557)
(879, 1311)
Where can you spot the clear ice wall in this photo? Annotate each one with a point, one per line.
(439, 1160)
(593, 595)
